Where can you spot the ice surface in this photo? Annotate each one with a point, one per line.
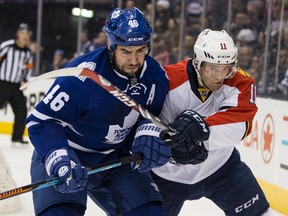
(18, 159)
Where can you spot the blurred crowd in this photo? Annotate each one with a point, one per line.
(247, 25)
(245, 21)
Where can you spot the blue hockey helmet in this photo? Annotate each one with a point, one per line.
(127, 27)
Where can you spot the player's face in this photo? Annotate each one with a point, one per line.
(129, 59)
(213, 75)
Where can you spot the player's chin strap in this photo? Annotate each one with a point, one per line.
(195, 64)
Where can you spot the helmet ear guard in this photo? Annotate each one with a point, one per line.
(215, 47)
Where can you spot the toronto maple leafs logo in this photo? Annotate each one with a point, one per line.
(88, 65)
(115, 14)
(116, 133)
(136, 89)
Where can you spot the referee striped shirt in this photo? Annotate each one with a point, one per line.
(15, 62)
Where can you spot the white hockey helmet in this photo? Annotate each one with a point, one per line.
(215, 47)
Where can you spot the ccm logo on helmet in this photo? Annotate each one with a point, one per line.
(223, 56)
(247, 204)
(135, 39)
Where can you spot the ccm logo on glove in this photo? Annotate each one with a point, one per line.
(187, 143)
(197, 117)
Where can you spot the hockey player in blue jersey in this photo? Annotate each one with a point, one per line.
(78, 124)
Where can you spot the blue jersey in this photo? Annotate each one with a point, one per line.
(76, 112)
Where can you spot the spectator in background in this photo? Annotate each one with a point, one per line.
(283, 84)
(162, 56)
(148, 12)
(98, 41)
(15, 67)
(217, 13)
(283, 63)
(238, 5)
(188, 43)
(59, 60)
(285, 38)
(162, 16)
(171, 36)
(85, 42)
(129, 4)
(245, 55)
(246, 37)
(33, 46)
(255, 69)
(193, 12)
(278, 82)
(256, 13)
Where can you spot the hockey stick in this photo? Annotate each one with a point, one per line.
(52, 181)
(104, 83)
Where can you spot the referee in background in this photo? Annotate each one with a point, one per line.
(15, 67)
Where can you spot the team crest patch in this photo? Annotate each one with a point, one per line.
(115, 14)
(203, 93)
(88, 65)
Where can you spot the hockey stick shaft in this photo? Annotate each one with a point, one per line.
(104, 83)
(52, 181)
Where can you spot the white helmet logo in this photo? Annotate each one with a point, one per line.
(115, 14)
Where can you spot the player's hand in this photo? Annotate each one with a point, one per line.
(66, 166)
(195, 155)
(187, 146)
(147, 142)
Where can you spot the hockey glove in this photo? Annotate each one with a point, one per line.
(147, 142)
(66, 166)
(196, 155)
(187, 146)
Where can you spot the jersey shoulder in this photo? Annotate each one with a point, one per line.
(177, 74)
(90, 60)
(241, 80)
(154, 69)
(7, 43)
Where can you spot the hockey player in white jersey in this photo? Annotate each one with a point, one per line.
(211, 105)
(78, 124)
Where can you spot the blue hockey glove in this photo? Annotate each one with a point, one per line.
(147, 142)
(187, 146)
(66, 166)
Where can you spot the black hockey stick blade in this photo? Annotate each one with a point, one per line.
(108, 86)
(137, 158)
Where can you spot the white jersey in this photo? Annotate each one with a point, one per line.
(229, 112)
